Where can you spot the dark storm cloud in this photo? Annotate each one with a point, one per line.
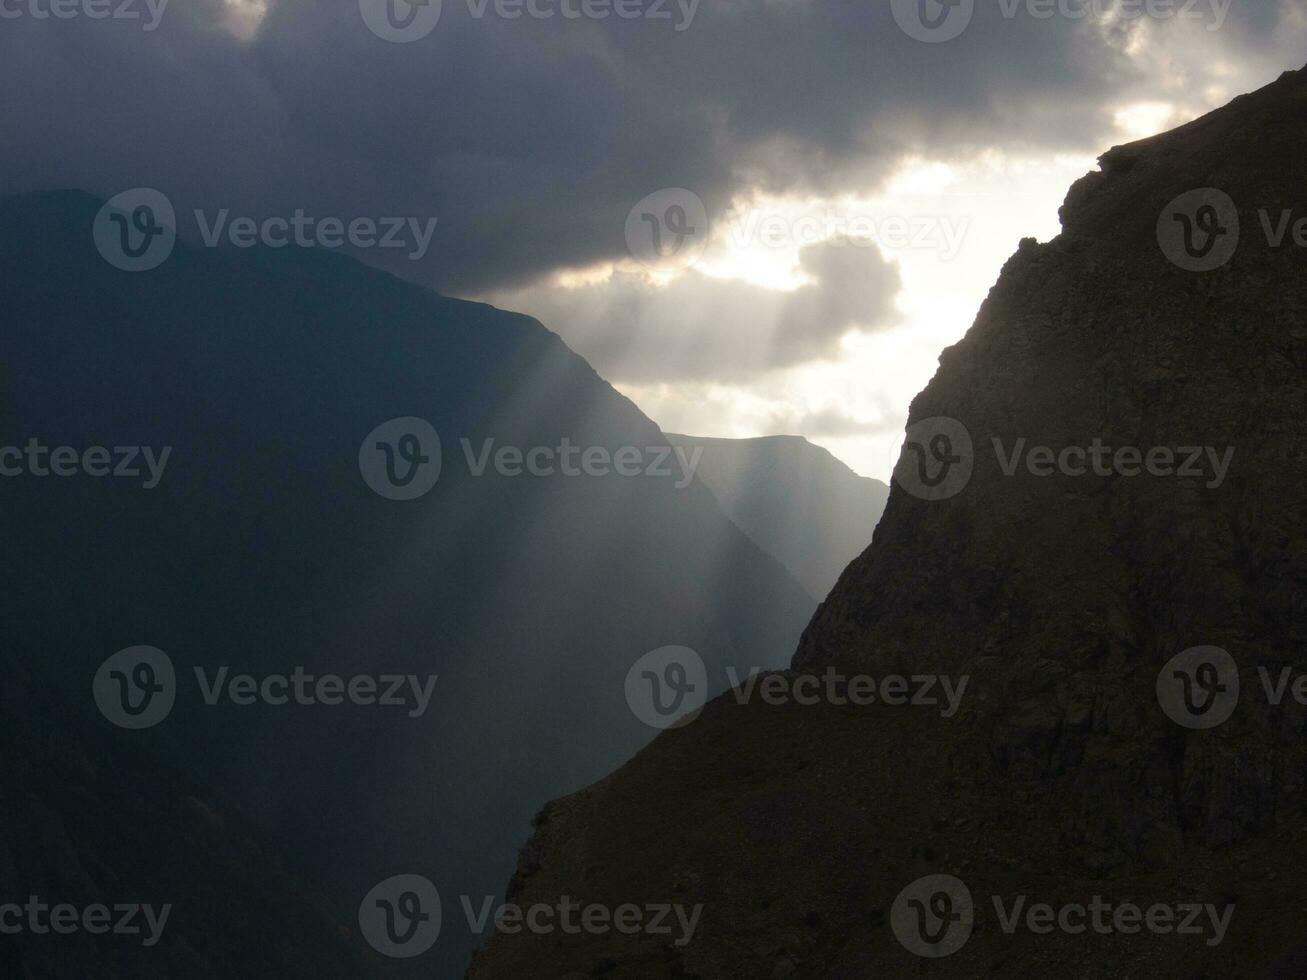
(530, 139)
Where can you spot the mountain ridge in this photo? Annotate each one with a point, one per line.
(264, 549)
(797, 500)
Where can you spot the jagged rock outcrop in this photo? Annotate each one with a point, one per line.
(1062, 598)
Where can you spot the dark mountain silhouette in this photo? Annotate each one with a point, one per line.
(263, 549)
(1065, 599)
(795, 500)
(98, 821)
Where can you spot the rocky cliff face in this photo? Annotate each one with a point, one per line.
(1097, 525)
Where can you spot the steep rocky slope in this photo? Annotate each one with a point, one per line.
(1074, 767)
(795, 500)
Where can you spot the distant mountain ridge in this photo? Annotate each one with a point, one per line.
(796, 500)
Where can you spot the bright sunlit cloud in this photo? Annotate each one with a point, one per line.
(946, 228)
(243, 18)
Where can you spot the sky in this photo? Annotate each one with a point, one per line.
(834, 184)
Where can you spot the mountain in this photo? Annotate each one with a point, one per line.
(97, 822)
(274, 541)
(795, 500)
(1120, 791)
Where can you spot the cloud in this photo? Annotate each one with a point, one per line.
(831, 423)
(700, 328)
(530, 139)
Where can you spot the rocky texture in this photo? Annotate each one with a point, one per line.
(1061, 597)
(795, 500)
